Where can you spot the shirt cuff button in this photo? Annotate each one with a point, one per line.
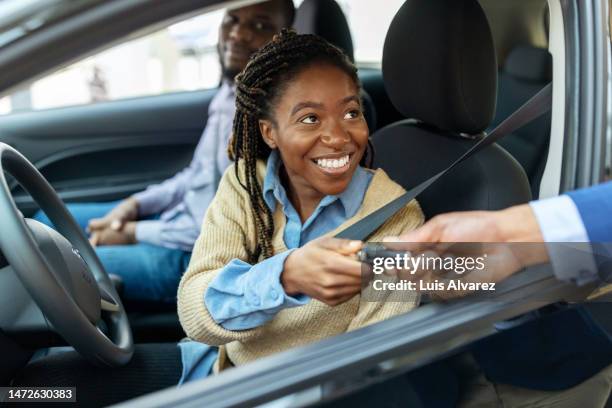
(273, 294)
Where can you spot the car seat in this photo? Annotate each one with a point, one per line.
(526, 71)
(326, 19)
(439, 69)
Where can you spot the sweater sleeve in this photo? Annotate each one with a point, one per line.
(223, 237)
(377, 306)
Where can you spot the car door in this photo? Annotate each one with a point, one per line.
(130, 116)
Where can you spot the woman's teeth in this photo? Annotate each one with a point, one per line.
(333, 163)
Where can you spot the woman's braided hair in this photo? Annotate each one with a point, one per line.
(258, 88)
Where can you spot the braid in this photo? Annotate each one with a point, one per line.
(258, 87)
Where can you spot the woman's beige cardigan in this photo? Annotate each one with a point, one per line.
(228, 232)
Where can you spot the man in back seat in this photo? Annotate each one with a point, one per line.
(147, 238)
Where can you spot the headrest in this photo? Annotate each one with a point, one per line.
(325, 19)
(529, 63)
(439, 64)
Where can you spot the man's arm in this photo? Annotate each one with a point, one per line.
(581, 216)
(578, 217)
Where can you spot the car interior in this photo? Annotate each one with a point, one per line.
(109, 150)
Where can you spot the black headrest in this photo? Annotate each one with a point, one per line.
(439, 64)
(325, 19)
(529, 63)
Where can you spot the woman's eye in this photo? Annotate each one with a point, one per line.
(352, 114)
(309, 120)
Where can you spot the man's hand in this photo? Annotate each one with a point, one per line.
(515, 224)
(438, 237)
(325, 269)
(124, 212)
(108, 236)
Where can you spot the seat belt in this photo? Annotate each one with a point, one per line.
(535, 107)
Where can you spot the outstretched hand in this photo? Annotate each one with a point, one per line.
(494, 230)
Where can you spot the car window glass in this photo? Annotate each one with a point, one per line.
(180, 57)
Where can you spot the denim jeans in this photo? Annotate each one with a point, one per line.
(149, 272)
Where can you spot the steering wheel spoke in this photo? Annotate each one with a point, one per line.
(107, 302)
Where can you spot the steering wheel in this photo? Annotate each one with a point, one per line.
(60, 270)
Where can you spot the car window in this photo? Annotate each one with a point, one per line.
(180, 57)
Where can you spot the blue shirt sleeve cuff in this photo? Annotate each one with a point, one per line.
(149, 232)
(559, 220)
(566, 239)
(242, 296)
(264, 283)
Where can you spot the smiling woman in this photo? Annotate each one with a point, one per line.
(266, 273)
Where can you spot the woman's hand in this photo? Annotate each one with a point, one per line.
(324, 269)
(125, 211)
